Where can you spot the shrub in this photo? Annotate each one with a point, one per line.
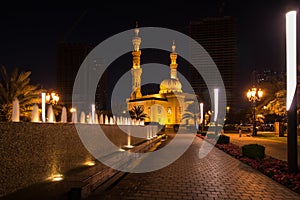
(223, 139)
(202, 133)
(210, 136)
(254, 151)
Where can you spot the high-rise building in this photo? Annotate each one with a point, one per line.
(69, 59)
(218, 36)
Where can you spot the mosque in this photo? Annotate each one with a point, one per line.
(169, 105)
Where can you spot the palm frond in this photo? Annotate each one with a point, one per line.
(17, 85)
(137, 112)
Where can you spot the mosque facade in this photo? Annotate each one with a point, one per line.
(169, 105)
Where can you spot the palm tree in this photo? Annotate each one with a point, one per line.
(189, 115)
(274, 90)
(17, 85)
(191, 112)
(137, 113)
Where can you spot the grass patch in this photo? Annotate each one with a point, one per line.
(274, 136)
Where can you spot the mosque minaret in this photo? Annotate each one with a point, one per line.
(136, 69)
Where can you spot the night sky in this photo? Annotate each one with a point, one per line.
(31, 31)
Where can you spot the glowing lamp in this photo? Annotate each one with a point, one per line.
(291, 56)
(48, 98)
(260, 93)
(216, 100)
(201, 113)
(56, 98)
(249, 94)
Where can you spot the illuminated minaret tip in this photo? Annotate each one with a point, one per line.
(173, 65)
(136, 70)
(136, 41)
(173, 46)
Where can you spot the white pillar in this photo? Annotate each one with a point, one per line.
(44, 107)
(93, 113)
(216, 102)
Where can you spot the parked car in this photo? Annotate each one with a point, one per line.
(266, 127)
(245, 127)
(230, 127)
(212, 125)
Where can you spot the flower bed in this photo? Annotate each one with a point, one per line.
(271, 167)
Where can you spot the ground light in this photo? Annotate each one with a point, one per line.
(90, 163)
(57, 177)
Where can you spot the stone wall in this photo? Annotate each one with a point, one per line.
(33, 152)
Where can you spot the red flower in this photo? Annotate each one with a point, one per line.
(271, 167)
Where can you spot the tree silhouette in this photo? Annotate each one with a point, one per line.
(137, 113)
(192, 111)
(17, 85)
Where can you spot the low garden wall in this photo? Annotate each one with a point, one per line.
(33, 152)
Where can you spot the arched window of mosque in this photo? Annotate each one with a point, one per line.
(159, 109)
(169, 110)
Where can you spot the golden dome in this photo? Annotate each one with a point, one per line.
(170, 85)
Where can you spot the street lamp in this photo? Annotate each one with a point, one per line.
(253, 96)
(52, 99)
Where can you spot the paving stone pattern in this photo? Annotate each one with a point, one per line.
(217, 176)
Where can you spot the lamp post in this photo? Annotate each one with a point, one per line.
(43, 107)
(253, 96)
(201, 117)
(291, 94)
(216, 109)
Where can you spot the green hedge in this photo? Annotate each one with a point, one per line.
(210, 136)
(223, 139)
(254, 151)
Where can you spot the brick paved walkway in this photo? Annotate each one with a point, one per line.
(217, 176)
